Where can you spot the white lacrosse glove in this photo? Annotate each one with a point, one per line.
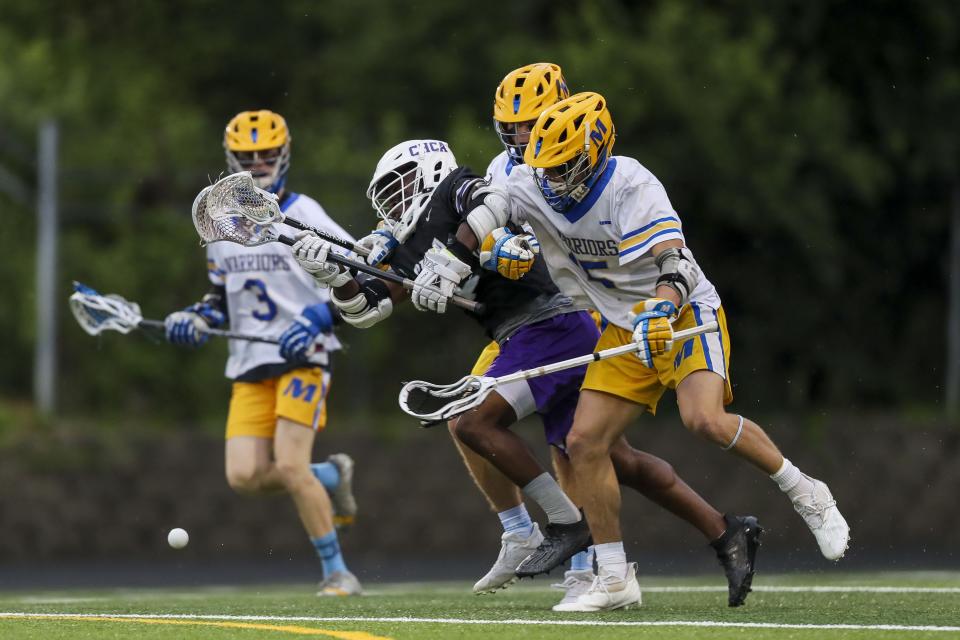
(381, 244)
(442, 272)
(310, 252)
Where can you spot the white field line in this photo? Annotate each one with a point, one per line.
(808, 589)
(563, 623)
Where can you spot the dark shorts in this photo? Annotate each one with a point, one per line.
(561, 337)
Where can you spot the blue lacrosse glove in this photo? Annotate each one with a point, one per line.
(509, 254)
(189, 327)
(652, 330)
(296, 341)
(381, 244)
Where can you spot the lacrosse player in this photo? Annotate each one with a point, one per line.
(423, 197)
(278, 403)
(613, 241)
(522, 95)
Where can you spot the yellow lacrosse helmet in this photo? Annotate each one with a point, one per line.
(569, 148)
(259, 141)
(521, 97)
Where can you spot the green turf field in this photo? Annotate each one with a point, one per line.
(904, 605)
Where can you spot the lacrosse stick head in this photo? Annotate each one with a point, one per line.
(433, 403)
(238, 194)
(96, 313)
(228, 227)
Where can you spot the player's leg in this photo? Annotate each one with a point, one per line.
(700, 397)
(300, 402)
(249, 439)
(579, 577)
(735, 539)
(292, 448)
(656, 479)
(500, 492)
(599, 423)
(520, 534)
(249, 466)
(486, 431)
(336, 473)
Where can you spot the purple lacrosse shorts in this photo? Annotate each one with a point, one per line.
(561, 337)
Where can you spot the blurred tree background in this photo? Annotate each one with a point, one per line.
(810, 147)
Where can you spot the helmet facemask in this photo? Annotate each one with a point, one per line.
(510, 135)
(276, 159)
(394, 194)
(567, 184)
(404, 181)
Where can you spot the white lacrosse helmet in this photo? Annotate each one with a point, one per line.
(404, 181)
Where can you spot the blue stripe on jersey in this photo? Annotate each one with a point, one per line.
(647, 242)
(647, 226)
(509, 166)
(580, 209)
(703, 336)
(720, 337)
(288, 200)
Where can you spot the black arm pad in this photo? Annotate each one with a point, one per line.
(373, 289)
(460, 250)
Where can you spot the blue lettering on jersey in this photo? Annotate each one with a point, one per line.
(296, 388)
(591, 247)
(256, 262)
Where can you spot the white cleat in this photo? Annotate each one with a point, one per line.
(340, 584)
(575, 584)
(513, 549)
(819, 510)
(344, 504)
(608, 592)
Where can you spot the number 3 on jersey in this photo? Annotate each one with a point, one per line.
(260, 290)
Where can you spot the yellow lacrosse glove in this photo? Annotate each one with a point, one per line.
(652, 330)
(509, 254)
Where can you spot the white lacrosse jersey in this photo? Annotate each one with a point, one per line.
(499, 169)
(598, 252)
(266, 289)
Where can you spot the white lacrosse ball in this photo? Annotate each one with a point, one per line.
(178, 538)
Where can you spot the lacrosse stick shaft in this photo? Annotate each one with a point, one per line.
(460, 301)
(158, 324)
(613, 352)
(346, 244)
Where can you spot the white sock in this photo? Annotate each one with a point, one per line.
(545, 491)
(516, 520)
(611, 558)
(791, 481)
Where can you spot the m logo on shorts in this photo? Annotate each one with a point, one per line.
(296, 388)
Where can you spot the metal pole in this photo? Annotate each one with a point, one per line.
(45, 356)
(953, 313)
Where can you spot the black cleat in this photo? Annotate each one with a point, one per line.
(560, 542)
(737, 550)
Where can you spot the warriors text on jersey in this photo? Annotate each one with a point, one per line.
(598, 252)
(265, 290)
(509, 304)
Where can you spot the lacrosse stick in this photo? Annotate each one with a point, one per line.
(433, 403)
(96, 313)
(219, 218)
(238, 194)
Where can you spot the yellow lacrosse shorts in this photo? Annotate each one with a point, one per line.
(299, 395)
(486, 358)
(626, 376)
